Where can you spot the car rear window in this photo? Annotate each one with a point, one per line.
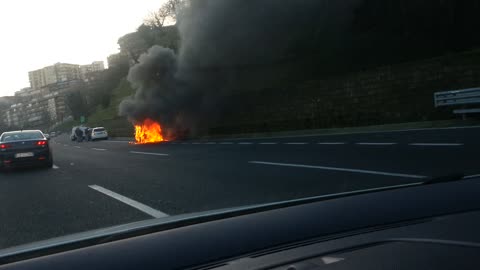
(18, 136)
(99, 129)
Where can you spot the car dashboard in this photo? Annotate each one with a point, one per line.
(423, 244)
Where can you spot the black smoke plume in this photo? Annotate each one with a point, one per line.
(220, 40)
(227, 45)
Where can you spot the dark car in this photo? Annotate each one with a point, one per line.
(24, 148)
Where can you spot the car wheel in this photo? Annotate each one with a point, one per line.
(49, 163)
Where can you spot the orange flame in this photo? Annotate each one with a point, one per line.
(148, 132)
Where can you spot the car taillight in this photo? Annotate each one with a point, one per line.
(5, 146)
(42, 143)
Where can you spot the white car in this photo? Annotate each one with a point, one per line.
(99, 133)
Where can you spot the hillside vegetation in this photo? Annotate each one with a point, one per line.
(108, 117)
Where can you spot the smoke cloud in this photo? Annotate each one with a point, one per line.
(220, 40)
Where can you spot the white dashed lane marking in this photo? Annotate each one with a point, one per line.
(55, 167)
(436, 144)
(148, 153)
(139, 206)
(338, 169)
(99, 149)
(326, 143)
(379, 143)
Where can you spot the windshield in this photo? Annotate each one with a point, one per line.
(19, 136)
(158, 108)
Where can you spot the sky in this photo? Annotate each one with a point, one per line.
(35, 34)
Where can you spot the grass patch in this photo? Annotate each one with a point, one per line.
(108, 117)
(122, 91)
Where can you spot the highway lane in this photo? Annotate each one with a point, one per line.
(105, 183)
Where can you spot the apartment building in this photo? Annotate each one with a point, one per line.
(85, 70)
(60, 72)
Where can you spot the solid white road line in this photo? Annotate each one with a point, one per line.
(331, 143)
(330, 260)
(55, 167)
(268, 143)
(436, 144)
(99, 149)
(472, 176)
(339, 169)
(140, 206)
(148, 153)
(368, 143)
(354, 132)
(296, 143)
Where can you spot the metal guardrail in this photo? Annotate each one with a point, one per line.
(457, 97)
(464, 111)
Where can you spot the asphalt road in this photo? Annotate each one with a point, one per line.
(106, 183)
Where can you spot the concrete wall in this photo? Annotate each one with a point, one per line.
(390, 94)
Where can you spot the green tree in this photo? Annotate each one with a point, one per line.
(166, 14)
(77, 103)
(133, 44)
(99, 92)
